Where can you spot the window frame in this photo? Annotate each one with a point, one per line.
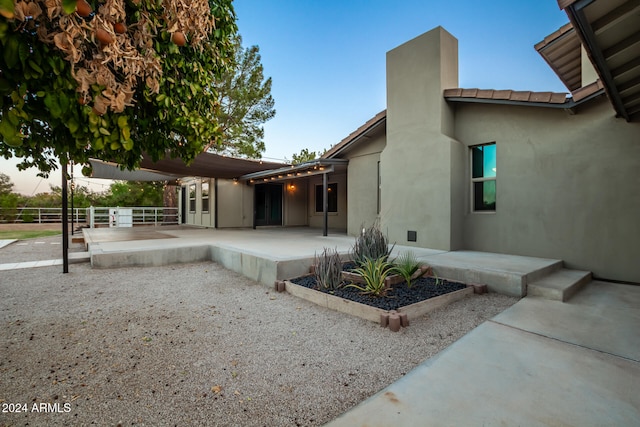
(330, 186)
(474, 181)
(204, 197)
(192, 198)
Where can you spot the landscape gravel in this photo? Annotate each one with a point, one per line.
(195, 344)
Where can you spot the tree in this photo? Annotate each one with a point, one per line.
(305, 156)
(8, 199)
(246, 104)
(111, 79)
(6, 186)
(133, 193)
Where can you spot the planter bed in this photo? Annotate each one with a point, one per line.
(401, 302)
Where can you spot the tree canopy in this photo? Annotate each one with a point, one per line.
(246, 104)
(305, 156)
(111, 79)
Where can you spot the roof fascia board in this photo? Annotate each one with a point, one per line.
(288, 176)
(575, 12)
(357, 138)
(294, 168)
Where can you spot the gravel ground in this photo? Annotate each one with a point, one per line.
(195, 344)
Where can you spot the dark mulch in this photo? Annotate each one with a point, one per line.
(398, 296)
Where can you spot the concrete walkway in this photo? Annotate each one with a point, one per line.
(539, 363)
(5, 242)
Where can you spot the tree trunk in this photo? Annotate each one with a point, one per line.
(170, 200)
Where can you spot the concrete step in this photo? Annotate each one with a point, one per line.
(78, 257)
(560, 285)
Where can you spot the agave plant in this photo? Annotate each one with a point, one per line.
(328, 271)
(371, 244)
(373, 272)
(406, 265)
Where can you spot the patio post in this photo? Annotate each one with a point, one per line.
(65, 218)
(325, 204)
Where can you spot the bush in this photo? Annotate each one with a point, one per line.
(371, 244)
(328, 270)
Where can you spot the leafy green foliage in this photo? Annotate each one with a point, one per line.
(52, 105)
(5, 183)
(373, 272)
(370, 244)
(245, 103)
(131, 193)
(406, 265)
(305, 156)
(328, 270)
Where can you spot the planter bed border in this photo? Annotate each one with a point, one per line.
(392, 318)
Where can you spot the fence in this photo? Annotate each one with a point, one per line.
(131, 216)
(93, 216)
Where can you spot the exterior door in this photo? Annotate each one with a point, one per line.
(268, 204)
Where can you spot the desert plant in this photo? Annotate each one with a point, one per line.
(406, 265)
(373, 272)
(371, 244)
(328, 270)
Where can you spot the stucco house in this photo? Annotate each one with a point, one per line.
(553, 175)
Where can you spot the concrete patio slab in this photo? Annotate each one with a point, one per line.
(505, 274)
(270, 254)
(539, 363)
(589, 320)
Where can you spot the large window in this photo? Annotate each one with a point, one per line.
(483, 177)
(192, 198)
(205, 197)
(332, 190)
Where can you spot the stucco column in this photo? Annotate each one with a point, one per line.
(420, 164)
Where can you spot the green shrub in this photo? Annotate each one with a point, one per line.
(406, 265)
(370, 244)
(373, 272)
(27, 217)
(328, 270)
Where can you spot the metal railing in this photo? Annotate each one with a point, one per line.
(130, 216)
(92, 216)
(40, 215)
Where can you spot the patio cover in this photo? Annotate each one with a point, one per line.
(205, 165)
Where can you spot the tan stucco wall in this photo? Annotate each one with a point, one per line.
(588, 72)
(362, 182)
(416, 165)
(296, 208)
(235, 204)
(337, 220)
(567, 186)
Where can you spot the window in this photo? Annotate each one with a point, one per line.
(332, 190)
(192, 198)
(483, 177)
(205, 197)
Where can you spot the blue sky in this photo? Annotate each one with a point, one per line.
(327, 60)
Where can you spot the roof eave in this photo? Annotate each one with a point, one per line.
(575, 11)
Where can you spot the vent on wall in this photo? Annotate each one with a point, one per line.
(412, 236)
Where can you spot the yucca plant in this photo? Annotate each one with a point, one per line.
(373, 272)
(370, 244)
(328, 270)
(406, 265)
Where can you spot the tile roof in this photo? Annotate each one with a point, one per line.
(507, 95)
(562, 51)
